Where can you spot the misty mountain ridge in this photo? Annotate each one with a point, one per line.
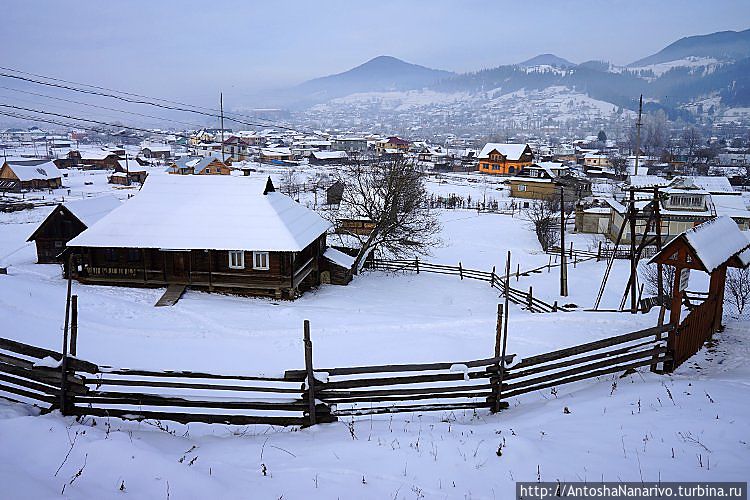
(685, 72)
(547, 60)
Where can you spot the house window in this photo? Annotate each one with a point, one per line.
(260, 261)
(522, 187)
(236, 259)
(134, 255)
(110, 255)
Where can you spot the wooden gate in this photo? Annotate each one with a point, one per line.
(697, 328)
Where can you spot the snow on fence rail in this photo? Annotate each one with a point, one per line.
(519, 297)
(33, 375)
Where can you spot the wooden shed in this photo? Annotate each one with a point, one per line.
(18, 176)
(67, 221)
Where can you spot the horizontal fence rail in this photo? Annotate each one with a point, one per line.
(308, 396)
(524, 299)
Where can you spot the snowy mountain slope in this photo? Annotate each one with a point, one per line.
(722, 46)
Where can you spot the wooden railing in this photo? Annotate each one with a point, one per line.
(306, 397)
(525, 299)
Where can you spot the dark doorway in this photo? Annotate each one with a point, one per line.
(178, 267)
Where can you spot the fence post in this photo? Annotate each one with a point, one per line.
(64, 360)
(460, 271)
(554, 307)
(497, 380)
(416, 263)
(73, 324)
(310, 373)
(571, 249)
(599, 252)
(492, 277)
(531, 298)
(518, 271)
(549, 265)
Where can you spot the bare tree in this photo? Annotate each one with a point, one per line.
(619, 164)
(543, 217)
(650, 278)
(290, 183)
(392, 197)
(691, 140)
(738, 288)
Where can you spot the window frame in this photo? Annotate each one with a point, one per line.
(237, 256)
(263, 255)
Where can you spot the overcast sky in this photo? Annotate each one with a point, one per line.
(192, 49)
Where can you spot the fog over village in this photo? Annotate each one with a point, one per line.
(403, 250)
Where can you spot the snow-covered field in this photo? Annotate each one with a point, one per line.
(688, 426)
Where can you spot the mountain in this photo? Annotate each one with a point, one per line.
(383, 73)
(547, 60)
(722, 46)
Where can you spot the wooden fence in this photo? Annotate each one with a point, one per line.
(33, 375)
(695, 329)
(525, 299)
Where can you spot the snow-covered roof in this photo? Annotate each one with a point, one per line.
(131, 165)
(512, 152)
(714, 184)
(732, 206)
(95, 154)
(43, 171)
(339, 258)
(90, 210)
(714, 242)
(330, 155)
(225, 213)
(646, 181)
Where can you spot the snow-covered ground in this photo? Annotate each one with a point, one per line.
(687, 426)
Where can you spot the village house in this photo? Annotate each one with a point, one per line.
(595, 160)
(277, 154)
(157, 151)
(199, 165)
(328, 158)
(684, 202)
(504, 159)
(392, 146)
(238, 235)
(350, 144)
(237, 148)
(98, 159)
(29, 174)
(543, 180)
(127, 172)
(67, 221)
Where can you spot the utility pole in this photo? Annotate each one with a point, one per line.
(563, 262)
(221, 107)
(633, 262)
(638, 134)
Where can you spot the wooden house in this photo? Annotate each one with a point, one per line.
(229, 233)
(159, 151)
(504, 159)
(392, 146)
(328, 158)
(542, 181)
(67, 221)
(19, 176)
(199, 165)
(97, 159)
(128, 172)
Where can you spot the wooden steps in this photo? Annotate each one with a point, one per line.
(171, 296)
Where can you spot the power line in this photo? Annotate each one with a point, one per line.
(69, 117)
(134, 98)
(97, 106)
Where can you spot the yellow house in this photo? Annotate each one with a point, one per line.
(504, 159)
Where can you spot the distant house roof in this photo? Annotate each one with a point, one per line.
(511, 152)
(397, 141)
(130, 165)
(330, 155)
(249, 219)
(43, 171)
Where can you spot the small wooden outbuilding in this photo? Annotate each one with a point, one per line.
(710, 247)
(67, 221)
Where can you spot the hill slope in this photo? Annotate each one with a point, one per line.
(722, 46)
